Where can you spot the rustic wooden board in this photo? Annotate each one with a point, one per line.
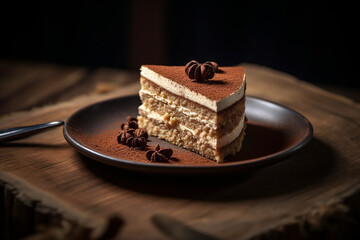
(314, 193)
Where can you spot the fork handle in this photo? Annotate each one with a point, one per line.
(21, 132)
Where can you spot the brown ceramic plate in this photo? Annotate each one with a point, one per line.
(273, 133)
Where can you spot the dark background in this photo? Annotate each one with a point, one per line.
(314, 41)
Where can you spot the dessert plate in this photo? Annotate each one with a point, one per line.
(273, 133)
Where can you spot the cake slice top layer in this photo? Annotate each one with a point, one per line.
(226, 88)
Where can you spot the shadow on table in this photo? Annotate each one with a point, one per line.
(308, 167)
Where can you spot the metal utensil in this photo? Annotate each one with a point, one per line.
(178, 230)
(21, 132)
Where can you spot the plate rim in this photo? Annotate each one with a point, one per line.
(118, 162)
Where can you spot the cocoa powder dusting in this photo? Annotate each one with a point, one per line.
(105, 142)
(224, 83)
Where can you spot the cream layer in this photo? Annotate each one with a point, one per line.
(214, 143)
(173, 87)
(184, 110)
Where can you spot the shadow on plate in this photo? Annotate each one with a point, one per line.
(308, 167)
(261, 141)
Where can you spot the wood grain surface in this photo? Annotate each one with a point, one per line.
(50, 190)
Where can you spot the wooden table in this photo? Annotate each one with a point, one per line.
(48, 190)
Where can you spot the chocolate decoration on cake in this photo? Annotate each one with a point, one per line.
(214, 64)
(200, 72)
(190, 68)
(158, 155)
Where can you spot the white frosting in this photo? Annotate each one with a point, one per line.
(228, 138)
(215, 143)
(185, 92)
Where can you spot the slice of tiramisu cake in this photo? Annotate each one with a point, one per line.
(198, 106)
